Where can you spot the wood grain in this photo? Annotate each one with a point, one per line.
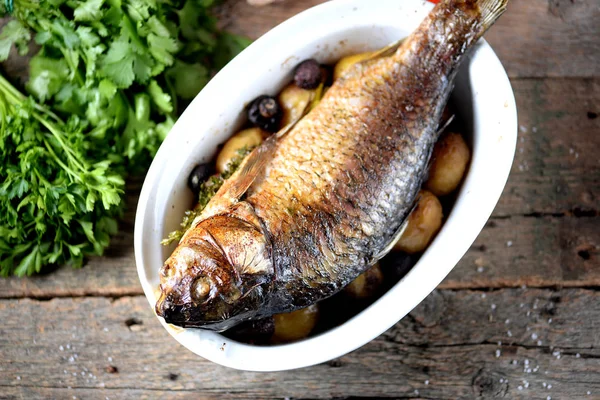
(556, 168)
(446, 349)
(534, 38)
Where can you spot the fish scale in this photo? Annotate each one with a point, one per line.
(320, 202)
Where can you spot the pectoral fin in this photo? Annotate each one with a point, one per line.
(234, 188)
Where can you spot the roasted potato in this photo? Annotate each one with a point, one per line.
(343, 64)
(423, 223)
(295, 325)
(366, 284)
(293, 101)
(246, 138)
(449, 162)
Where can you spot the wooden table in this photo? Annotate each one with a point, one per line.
(518, 318)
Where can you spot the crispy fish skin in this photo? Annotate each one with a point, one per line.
(335, 190)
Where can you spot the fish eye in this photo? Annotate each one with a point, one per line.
(201, 288)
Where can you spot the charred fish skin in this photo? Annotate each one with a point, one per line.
(334, 191)
(343, 181)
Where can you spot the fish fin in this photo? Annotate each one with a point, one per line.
(252, 166)
(386, 51)
(388, 247)
(491, 10)
(397, 235)
(443, 127)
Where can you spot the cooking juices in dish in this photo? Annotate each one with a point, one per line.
(321, 201)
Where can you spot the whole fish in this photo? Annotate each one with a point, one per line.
(318, 203)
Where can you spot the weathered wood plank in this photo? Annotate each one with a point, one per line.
(535, 38)
(532, 251)
(509, 252)
(446, 349)
(556, 167)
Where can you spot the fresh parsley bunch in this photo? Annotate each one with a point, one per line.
(103, 93)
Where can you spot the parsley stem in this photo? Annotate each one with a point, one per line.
(16, 97)
(57, 134)
(60, 163)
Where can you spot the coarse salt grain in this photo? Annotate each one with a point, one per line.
(520, 387)
(483, 295)
(539, 342)
(427, 382)
(523, 128)
(18, 378)
(548, 398)
(61, 348)
(526, 362)
(577, 355)
(480, 269)
(544, 384)
(509, 333)
(507, 321)
(109, 359)
(549, 386)
(509, 243)
(526, 384)
(549, 320)
(498, 353)
(493, 306)
(534, 336)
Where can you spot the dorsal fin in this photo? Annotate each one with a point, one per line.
(386, 51)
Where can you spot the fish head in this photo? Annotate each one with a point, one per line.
(217, 277)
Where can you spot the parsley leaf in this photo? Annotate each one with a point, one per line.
(13, 33)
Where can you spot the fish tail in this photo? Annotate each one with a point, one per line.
(490, 11)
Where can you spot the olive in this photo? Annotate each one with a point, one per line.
(254, 332)
(198, 175)
(308, 74)
(265, 112)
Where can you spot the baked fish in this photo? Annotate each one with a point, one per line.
(318, 203)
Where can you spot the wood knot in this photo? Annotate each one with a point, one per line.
(111, 369)
(489, 384)
(335, 363)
